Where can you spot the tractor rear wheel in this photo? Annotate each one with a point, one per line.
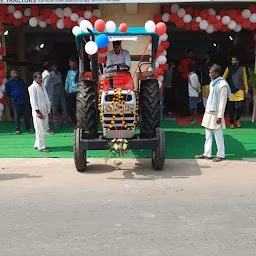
(79, 154)
(86, 108)
(158, 155)
(149, 108)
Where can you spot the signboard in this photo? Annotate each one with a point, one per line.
(122, 38)
(111, 1)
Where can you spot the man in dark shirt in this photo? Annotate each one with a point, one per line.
(15, 90)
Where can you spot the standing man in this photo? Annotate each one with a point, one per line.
(183, 87)
(41, 108)
(213, 119)
(205, 79)
(237, 80)
(71, 89)
(48, 85)
(15, 89)
(58, 97)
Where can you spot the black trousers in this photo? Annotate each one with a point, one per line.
(19, 109)
(71, 102)
(235, 111)
(183, 97)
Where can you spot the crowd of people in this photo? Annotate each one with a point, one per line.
(43, 97)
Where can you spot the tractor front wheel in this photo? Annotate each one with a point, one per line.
(79, 154)
(158, 154)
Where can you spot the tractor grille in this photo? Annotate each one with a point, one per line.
(109, 98)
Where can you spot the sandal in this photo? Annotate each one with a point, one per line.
(217, 159)
(202, 157)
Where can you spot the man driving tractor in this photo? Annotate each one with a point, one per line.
(118, 56)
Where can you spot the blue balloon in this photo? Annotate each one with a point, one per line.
(102, 41)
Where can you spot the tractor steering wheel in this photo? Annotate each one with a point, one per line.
(118, 67)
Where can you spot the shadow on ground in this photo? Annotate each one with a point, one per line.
(16, 176)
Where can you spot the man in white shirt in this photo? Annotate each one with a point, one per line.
(118, 56)
(213, 119)
(41, 108)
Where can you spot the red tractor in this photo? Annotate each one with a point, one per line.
(113, 99)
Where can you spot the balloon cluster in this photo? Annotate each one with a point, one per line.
(161, 59)
(101, 43)
(58, 18)
(2, 79)
(209, 20)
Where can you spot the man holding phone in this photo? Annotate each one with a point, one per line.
(41, 109)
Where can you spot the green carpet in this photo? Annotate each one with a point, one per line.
(182, 142)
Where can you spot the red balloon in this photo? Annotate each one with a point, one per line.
(239, 19)
(195, 26)
(93, 20)
(218, 25)
(25, 19)
(204, 14)
(89, 8)
(160, 48)
(74, 9)
(196, 13)
(123, 27)
(17, 23)
(53, 18)
(2, 74)
(232, 13)
(54, 25)
(252, 8)
(189, 10)
(188, 26)
(180, 23)
(102, 60)
(223, 13)
(2, 18)
(157, 17)
(3, 100)
(2, 67)
(34, 10)
(167, 9)
(11, 17)
(173, 17)
(67, 22)
(225, 28)
(211, 19)
(160, 28)
(80, 13)
(159, 72)
(1, 27)
(42, 18)
(164, 67)
(165, 44)
(100, 25)
(2, 51)
(3, 9)
(103, 50)
(246, 24)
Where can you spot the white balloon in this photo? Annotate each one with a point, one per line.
(164, 53)
(203, 24)
(164, 37)
(238, 28)
(1, 107)
(76, 30)
(211, 11)
(27, 12)
(226, 20)
(87, 14)
(149, 47)
(175, 8)
(161, 59)
(17, 15)
(91, 47)
(198, 19)
(232, 25)
(2, 88)
(33, 22)
(84, 24)
(161, 78)
(74, 17)
(253, 18)
(110, 26)
(246, 13)
(187, 18)
(60, 24)
(149, 69)
(67, 12)
(11, 8)
(160, 84)
(79, 20)
(96, 12)
(218, 17)
(1, 95)
(42, 24)
(181, 12)
(210, 29)
(59, 13)
(157, 64)
(166, 17)
(150, 26)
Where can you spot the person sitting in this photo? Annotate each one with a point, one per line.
(118, 56)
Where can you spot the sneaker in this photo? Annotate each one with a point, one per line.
(17, 132)
(45, 150)
(231, 126)
(50, 133)
(238, 124)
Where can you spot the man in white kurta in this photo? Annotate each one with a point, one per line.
(213, 120)
(41, 108)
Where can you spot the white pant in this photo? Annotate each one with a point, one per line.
(40, 129)
(205, 101)
(219, 141)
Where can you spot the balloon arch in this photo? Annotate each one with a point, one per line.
(208, 20)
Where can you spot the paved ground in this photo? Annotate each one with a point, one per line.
(191, 208)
